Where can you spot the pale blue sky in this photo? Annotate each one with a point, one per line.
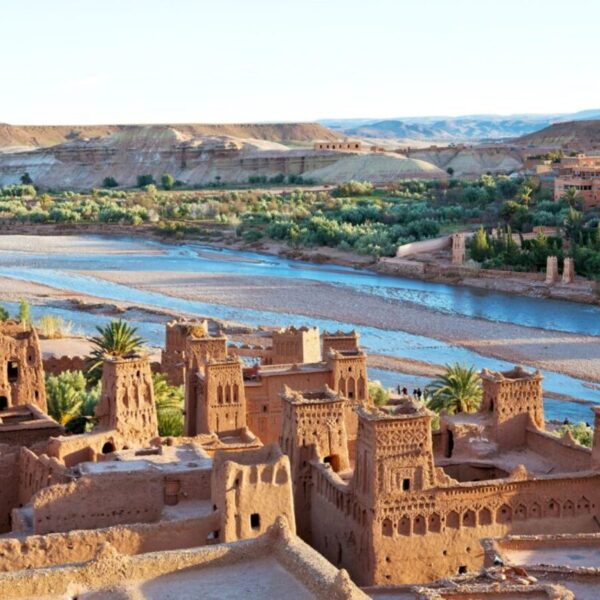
(124, 61)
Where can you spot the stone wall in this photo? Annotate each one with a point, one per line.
(566, 456)
(37, 551)
(55, 365)
(97, 501)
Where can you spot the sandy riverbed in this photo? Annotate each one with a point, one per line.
(572, 354)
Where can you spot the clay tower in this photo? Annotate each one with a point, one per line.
(219, 405)
(21, 368)
(294, 345)
(173, 355)
(340, 341)
(394, 453)
(199, 349)
(313, 428)
(515, 399)
(127, 401)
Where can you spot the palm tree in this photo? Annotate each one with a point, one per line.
(169, 406)
(571, 196)
(85, 421)
(65, 394)
(118, 339)
(457, 390)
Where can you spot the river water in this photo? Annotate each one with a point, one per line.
(55, 269)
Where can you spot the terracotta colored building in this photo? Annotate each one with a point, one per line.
(581, 173)
(412, 496)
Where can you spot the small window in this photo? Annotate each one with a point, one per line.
(3, 402)
(108, 448)
(255, 521)
(334, 461)
(406, 485)
(12, 371)
(462, 569)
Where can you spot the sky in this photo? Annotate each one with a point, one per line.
(175, 61)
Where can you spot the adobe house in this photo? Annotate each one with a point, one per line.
(21, 368)
(427, 499)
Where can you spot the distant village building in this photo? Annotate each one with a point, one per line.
(344, 146)
(581, 173)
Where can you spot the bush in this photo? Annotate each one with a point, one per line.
(144, 180)
(353, 188)
(110, 182)
(581, 432)
(24, 316)
(54, 327)
(378, 394)
(167, 181)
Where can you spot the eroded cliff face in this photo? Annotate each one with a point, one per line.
(156, 150)
(200, 159)
(29, 137)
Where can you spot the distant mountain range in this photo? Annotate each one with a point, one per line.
(468, 128)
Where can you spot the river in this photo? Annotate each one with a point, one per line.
(92, 253)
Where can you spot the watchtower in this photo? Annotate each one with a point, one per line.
(127, 401)
(515, 399)
(313, 428)
(21, 367)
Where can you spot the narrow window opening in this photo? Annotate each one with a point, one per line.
(3, 402)
(108, 448)
(449, 444)
(12, 371)
(255, 521)
(406, 485)
(334, 461)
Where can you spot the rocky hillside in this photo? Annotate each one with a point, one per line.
(22, 137)
(582, 135)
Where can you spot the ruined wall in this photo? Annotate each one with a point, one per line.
(101, 500)
(21, 369)
(251, 490)
(37, 472)
(73, 449)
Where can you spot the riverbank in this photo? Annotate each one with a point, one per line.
(571, 354)
(519, 284)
